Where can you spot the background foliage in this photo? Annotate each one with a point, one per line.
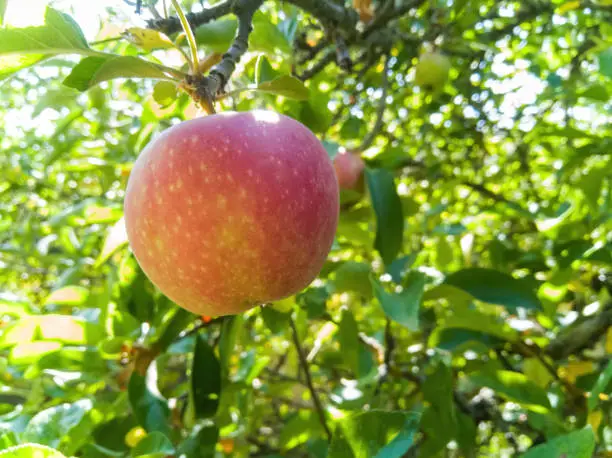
(464, 310)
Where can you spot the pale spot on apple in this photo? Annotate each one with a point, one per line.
(221, 202)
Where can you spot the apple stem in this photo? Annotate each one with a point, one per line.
(193, 47)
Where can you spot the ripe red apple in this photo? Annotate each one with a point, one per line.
(349, 169)
(232, 210)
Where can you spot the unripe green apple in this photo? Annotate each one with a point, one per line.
(232, 210)
(432, 71)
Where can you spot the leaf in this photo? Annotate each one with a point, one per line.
(96, 69)
(24, 47)
(354, 277)
(439, 420)
(267, 37)
(595, 92)
(200, 443)
(153, 445)
(591, 184)
(605, 62)
(348, 335)
(331, 148)
(367, 434)
(149, 406)
(285, 85)
(388, 209)
(68, 295)
(600, 386)
(230, 332)
(513, 386)
(402, 442)
(577, 444)
(218, 35)
(116, 237)
(3, 4)
(30, 451)
(8, 440)
(50, 425)
(69, 329)
(205, 380)
(402, 307)
(492, 286)
(264, 71)
(147, 39)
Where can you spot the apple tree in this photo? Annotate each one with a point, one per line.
(308, 228)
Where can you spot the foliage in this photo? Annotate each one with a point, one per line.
(465, 307)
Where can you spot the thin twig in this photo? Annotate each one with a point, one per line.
(172, 24)
(327, 59)
(311, 388)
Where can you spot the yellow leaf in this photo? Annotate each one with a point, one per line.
(569, 6)
(147, 39)
(575, 369)
(609, 341)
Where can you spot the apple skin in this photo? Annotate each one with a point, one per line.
(432, 71)
(232, 210)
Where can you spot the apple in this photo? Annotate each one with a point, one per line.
(432, 70)
(232, 210)
(349, 168)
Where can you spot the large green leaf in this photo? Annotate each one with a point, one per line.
(205, 380)
(388, 209)
(153, 445)
(492, 286)
(402, 307)
(149, 406)
(51, 425)
(23, 47)
(600, 385)
(348, 335)
(513, 386)
(285, 85)
(96, 69)
(577, 444)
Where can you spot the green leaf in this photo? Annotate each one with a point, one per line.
(8, 440)
(230, 332)
(153, 445)
(367, 434)
(23, 47)
(116, 238)
(513, 386)
(591, 185)
(402, 442)
(577, 444)
(492, 286)
(200, 443)
(402, 307)
(149, 406)
(49, 426)
(218, 35)
(605, 62)
(205, 380)
(388, 209)
(68, 295)
(96, 69)
(475, 320)
(354, 277)
(264, 71)
(599, 386)
(331, 148)
(348, 335)
(595, 92)
(30, 451)
(285, 85)
(267, 37)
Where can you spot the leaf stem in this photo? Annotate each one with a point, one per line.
(313, 393)
(195, 63)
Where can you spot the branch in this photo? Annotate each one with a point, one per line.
(173, 24)
(327, 59)
(311, 388)
(330, 13)
(582, 335)
(367, 141)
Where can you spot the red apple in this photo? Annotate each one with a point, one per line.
(233, 210)
(349, 170)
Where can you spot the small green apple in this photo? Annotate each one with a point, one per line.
(432, 71)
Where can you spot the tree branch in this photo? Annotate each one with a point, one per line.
(173, 24)
(311, 388)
